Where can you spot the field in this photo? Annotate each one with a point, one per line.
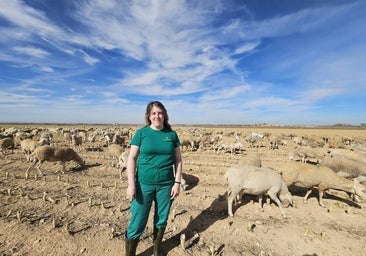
(85, 211)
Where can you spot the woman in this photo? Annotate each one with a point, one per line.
(154, 172)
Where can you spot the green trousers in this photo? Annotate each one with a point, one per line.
(141, 206)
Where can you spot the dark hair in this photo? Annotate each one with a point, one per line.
(161, 106)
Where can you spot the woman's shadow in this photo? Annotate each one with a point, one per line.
(216, 211)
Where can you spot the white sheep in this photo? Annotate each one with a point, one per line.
(310, 176)
(255, 180)
(53, 154)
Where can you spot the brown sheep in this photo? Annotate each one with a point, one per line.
(53, 154)
(310, 176)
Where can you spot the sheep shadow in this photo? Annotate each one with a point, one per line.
(215, 212)
(83, 168)
(191, 181)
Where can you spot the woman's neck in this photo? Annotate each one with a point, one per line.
(157, 128)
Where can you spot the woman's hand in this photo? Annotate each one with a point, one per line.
(131, 191)
(175, 191)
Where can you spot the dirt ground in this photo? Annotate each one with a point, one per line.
(85, 211)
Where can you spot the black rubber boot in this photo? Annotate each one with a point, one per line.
(157, 238)
(131, 245)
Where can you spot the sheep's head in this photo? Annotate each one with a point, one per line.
(286, 199)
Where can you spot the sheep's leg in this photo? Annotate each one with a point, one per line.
(307, 195)
(231, 195)
(30, 167)
(39, 167)
(274, 197)
(63, 167)
(230, 201)
(260, 200)
(321, 193)
(238, 197)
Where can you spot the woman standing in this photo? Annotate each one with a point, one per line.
(154, 172)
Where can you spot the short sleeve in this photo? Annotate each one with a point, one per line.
(136, 139)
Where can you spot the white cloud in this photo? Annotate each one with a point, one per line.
(31, 51)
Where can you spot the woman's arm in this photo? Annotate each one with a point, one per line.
(131, 169)
(178, 165)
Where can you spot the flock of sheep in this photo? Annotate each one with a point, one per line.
(321, 163)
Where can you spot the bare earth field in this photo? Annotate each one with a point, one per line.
(85, 211)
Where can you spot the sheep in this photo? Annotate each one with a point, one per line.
(122, 159)
(273, 142)
(255, 180)
(229, 143)
(115, 151)
(118, 139)
(345, 166)
(352, 154)
(253, 159)
(254, 138)
(6, 143)
(77, 140)
(308, 152)
(53, 154)
(187, 142)
(47, 136)
(322, 177)
(29, 145)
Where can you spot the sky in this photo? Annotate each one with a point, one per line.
(217, 62)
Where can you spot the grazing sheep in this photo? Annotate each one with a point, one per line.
(29, 145)
(122, 159)
(46, 136)
(352, 154)
(6, 143)
(344, 166)
(304, 153)
(322, 177)
(53, 154)
(254, 139)
(77, 140)
(115, 151)
(256, 181)
(253, 159)
(229, 143)
(187, 142)
(118, 139)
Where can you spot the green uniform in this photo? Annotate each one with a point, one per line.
(154, 178)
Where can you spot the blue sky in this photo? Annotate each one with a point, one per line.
(290, 62)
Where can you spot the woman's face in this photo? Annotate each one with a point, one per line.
(156, 117)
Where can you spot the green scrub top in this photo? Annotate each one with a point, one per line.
(156, 157)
